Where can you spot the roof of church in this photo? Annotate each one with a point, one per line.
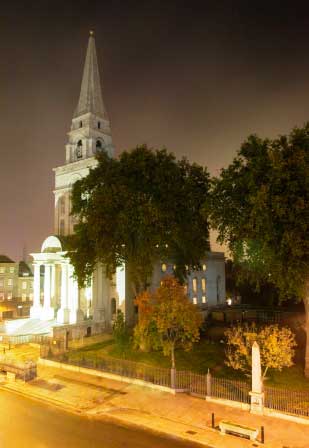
(5, 259)
(90, 99)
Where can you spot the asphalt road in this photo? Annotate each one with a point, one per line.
(25, 423)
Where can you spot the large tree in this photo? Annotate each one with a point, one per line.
(140, 208)
(260, 206)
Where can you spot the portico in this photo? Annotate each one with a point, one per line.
(61, 295)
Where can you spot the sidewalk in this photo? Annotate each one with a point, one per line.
(181, 415)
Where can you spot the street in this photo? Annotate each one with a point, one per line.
(26, 423)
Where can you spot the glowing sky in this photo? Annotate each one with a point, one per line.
(195, 79)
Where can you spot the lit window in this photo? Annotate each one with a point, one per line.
(2, 270)
(1, 283)
(9, 296)
(24, 297)
(24, 285)
(12, 270)
(10, 282)
(204, 284)
(195, 300)
(204, 300)
(31, 296)
(194, 284)
(1, 296)
(174, 267)
(185, 289)
(163, 267)
(204, 267)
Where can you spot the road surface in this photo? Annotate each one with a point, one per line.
(26, 423)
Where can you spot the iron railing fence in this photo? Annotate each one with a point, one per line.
(130, 369)
(227, 389)
(290, 401)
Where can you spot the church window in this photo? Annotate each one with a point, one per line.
(98, 145)
(61, 227)
(99, 125)
(62, 205)
(80, 124)
(79, 150)
(194, 284)
(203, 284)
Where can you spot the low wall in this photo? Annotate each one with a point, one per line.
(102, 374)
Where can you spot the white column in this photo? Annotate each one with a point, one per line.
(63, 314)
(47, 311)
(76, 314)
(36, 309)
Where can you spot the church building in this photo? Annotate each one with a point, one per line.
(90, 310)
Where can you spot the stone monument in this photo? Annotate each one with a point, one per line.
(257, 394)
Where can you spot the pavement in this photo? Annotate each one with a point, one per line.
(180, 415)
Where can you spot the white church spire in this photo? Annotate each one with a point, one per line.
(90, 99)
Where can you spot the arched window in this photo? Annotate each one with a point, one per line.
(98, 145)
(194, 284)
(79, 149)
(204, 284)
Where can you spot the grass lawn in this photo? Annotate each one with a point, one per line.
(203, 356)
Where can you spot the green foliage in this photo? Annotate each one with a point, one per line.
(169, 318)
(260, 207)
(120, 333)
(276, 347)
(140, 208)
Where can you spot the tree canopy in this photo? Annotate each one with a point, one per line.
(143, 207)
(260, 206)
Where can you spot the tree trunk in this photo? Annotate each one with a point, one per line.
(173, 356)
(306, 303)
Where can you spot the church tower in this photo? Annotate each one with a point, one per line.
(90, 132)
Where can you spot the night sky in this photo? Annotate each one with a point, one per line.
(196, 79)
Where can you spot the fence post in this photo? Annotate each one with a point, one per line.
(173, 378)
(208, 384)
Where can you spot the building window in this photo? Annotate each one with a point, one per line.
(204, 267)
(1, 284)
(204, 284)
(24, 297)
(98, 145)
(80, 124)
(204, 300)
(10, 282)
(31, 297)
(163, 267)
(194, 284)
(2, 270)
(61, 227)
(24, 285)
(1, 296)
(12, 270)
(79, 150)
(185, 288)
(99, 125)
(195, 300)
(9, 296)
(62, 205)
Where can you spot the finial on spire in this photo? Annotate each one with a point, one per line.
(91, 33)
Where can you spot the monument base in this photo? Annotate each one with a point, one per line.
(257, 403)
(35, 312)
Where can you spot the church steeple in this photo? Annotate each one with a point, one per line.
(90, 129)
(90, 99)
